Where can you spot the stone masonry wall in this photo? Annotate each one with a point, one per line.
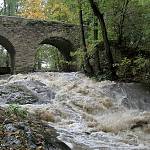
(25, 35)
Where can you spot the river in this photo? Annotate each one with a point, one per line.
(88, 115)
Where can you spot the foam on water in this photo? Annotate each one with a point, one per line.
(92, 115)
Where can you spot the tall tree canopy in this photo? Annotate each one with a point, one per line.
(118, 27)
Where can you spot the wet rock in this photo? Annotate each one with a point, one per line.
(131, 95)
(9, 128)
(139, 124)
(7, 121)
(2, 115)
(26, 92)
(17, 94)
(44, 94)
(28, 134)
(137, 96)
(10, 140)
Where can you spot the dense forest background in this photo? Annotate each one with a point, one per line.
(115, 43)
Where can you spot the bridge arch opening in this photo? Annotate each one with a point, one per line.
(8, 56)
(63, 45)
(53, 54)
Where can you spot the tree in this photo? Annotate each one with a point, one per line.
(10, 7)
(100, 17)
(60, 10)
(32, 9)
(87, 67)
(121, 21)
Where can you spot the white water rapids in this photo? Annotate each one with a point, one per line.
(90, 115)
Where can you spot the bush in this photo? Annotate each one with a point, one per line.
(79, 58)
(17, 110)
(141, 68)
(125, 68)
(137, 69)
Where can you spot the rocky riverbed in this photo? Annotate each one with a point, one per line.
(87, 115)
(22, 131)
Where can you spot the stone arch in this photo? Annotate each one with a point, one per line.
(10, 49)
(63, 45)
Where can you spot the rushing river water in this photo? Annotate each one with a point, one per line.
(88, 115)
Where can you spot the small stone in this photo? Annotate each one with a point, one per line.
(7, 121)
(10, 128)
(1, 133)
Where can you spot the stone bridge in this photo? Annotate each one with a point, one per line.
(21, 38)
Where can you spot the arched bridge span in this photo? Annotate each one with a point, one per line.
(21, 37)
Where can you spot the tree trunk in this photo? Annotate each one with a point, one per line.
(87, 67)
(95, 29)
(97, 65)
(7, 60)
(100, 17)
(5, 7)
(39, 64)
(121, 24)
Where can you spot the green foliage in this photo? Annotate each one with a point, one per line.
(125, 68)
(17, 110)
(141, 68)
(79, 55)
(102, 76)
(131, 21)
(138, 69)
(141, 64)
(10, 7)
(4, 57)
(48, 57)
(63, 10)
(79, 58)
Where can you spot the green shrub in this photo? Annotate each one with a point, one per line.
(141, 68)
(17, 110)
(79, 58)
(137, 69)
(141, 65)
(125, 68)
